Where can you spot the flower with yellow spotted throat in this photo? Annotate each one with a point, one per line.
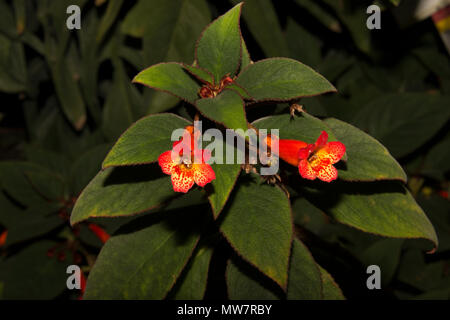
(313, 160)
(187, 165)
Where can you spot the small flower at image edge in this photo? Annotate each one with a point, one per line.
(313, 160)
(184, 171)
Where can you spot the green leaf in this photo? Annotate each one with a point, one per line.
(304, 127)
(7, 25)
(88, 70)
(31, 265)
(219, 46)
(320, 14)
(257, 223)
(282, 79)
(330, 289)
(69, 94)
(144, 15)
(123, 191)
(368, 159)
(305, 282)
(303, 45)
(246, 59)
(437, 161)
(13, 70)
(383, 208)
(353, 17)
(219, 189)
(25, 224)
(156, 251)
(192, 285)
(201, 74)
(47, 184)
(145, 140)
(437, 209)
(14, 180)
(108, 18)
(384, 119)
(169, 30)
(86, 166)
(171, 78)
(57, 162)
(244, 283)
(227, 108)
(395, 2)
(117, 112)
(262, 20)
(414, 271)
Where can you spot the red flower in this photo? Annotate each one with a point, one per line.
(313, 160)
(3, 237)
(186, 164)
(101, 234)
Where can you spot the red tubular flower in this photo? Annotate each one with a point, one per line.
(99, 232)
(3, 237)
(313, 160)
(187, 169)
(82, 285)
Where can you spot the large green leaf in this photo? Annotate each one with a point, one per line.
(258, 225)
(384, 119)
(172, 78)
(123, 191)
(383, 208)
(145, 257)
(227, 108)
(145, 140)
(305, 282)
(244, 283)
(219, 47)
(282, 79)
(262, 20)
(367, 158)
(192, 285)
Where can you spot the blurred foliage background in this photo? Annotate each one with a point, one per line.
(66, 96)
